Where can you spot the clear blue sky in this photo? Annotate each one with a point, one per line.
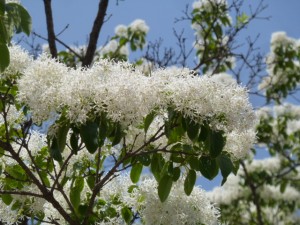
(159, 15)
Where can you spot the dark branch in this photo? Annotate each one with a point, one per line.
(94, 35)
(50, 28)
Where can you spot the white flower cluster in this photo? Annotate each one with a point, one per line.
(279, 40)
(13, 1)
(123, 31)
(177, 209)
(289, 111)
(137, 25)
(19, 61)
(230, 191)
(127, 96)
(270, 192)
(236, 191)
(207, 4)
(113, 46)
(216, 13)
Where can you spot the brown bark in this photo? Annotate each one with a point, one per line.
(50, 28)
(94, 35)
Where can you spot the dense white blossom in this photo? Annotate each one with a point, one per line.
(229, 192)
(270, 165)
(177, 209)
(234, 187)
(121, 30)
(207, 4)
(278, 75)
(19, 61)
(128, 96)
(139, 25)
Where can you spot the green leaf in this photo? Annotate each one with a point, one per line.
(74, 142)
(217, 142)
(145, 159)
(208, 167)
(126, 214)
(4, 55)
(62, 136)
(226, 166)
(3, 33)
(176, 173)
(91, 181)
(283, 185)
(157, 164)
(54, 150)
(192, 129)
(189, 182)
(164, 187)
(203, 133)
(116, 135)
(89, 135)
(2, 7)
(82, 209)
(25, 23)
(6, 198)
(242, 19)
(194, 163)
(45, 178)
(75, 192)
(148, 120)
(135, 172)
(103, 128)
(218, 31)
(175, 134)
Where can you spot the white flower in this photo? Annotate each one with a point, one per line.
(127, 96)
(177, 209)
(270, 192)
(263, 113)
(139, 25)
(271, 165)
(13, 1)
(121, 30)
(292, 126)
(280, 38)
(111, 46)
(229, 192)
(19, 61)
(224, 78)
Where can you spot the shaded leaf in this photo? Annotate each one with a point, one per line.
(4, 55)
(135, 172)
(75, 191)
(89, 135)
(217, 142)
(148, 120)
(208, 167)
(157, 164)
(226, 166)
(126, 214)
(164, 187)
(176, 173)
(192, 129)
(189, 182)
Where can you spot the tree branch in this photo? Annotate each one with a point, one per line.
(50, 28)
(253, 189)
(99, 20)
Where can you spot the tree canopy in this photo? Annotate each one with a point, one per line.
(89, 136)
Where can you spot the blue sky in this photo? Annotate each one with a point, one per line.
(160, 16)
